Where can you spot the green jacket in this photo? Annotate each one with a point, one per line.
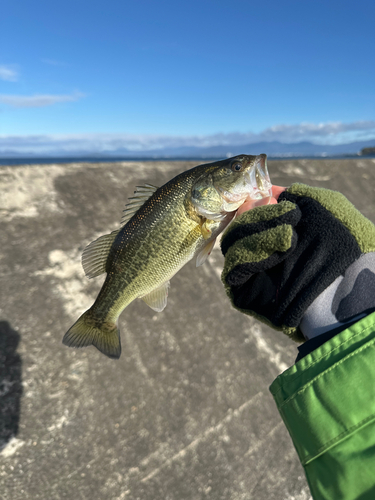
(327, 402)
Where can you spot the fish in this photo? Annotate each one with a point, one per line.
(162, 229)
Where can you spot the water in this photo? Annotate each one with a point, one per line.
(81, 159)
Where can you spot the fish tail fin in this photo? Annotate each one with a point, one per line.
(87, 331)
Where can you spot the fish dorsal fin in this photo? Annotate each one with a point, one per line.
(94, 257)
(157, 299)
(205, 252)
(141, 194)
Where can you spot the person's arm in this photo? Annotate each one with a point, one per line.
(306, 266)
(327, 402)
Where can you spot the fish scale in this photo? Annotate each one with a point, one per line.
(160, 235)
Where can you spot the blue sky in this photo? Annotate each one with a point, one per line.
(145, 73)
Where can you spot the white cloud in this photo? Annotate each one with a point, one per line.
(313, 131)
(38, 100)
(8, 73)
(323, 133)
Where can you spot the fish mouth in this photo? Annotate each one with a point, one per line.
(258, 179)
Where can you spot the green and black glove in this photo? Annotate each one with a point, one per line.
(304, 265)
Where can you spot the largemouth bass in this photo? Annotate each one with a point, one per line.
(162, 229)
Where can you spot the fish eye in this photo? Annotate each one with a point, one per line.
(237, 167)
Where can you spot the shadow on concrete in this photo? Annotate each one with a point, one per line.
(10, 383)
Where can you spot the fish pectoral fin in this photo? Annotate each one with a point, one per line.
(157, 299)
(207, 226)
(205, 252)
(94, 257)
(205, 229)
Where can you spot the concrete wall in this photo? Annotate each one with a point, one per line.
(185, 413)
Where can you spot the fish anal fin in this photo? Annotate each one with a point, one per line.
(94, 257)
(157, 299)
(205, 252)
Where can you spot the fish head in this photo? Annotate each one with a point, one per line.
(225, 185)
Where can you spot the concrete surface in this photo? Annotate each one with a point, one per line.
(185, 413)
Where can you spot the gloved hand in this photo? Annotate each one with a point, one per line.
(303, 265)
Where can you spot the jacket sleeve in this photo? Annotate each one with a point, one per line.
(327, 402)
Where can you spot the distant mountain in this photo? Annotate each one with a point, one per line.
(272, 149)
